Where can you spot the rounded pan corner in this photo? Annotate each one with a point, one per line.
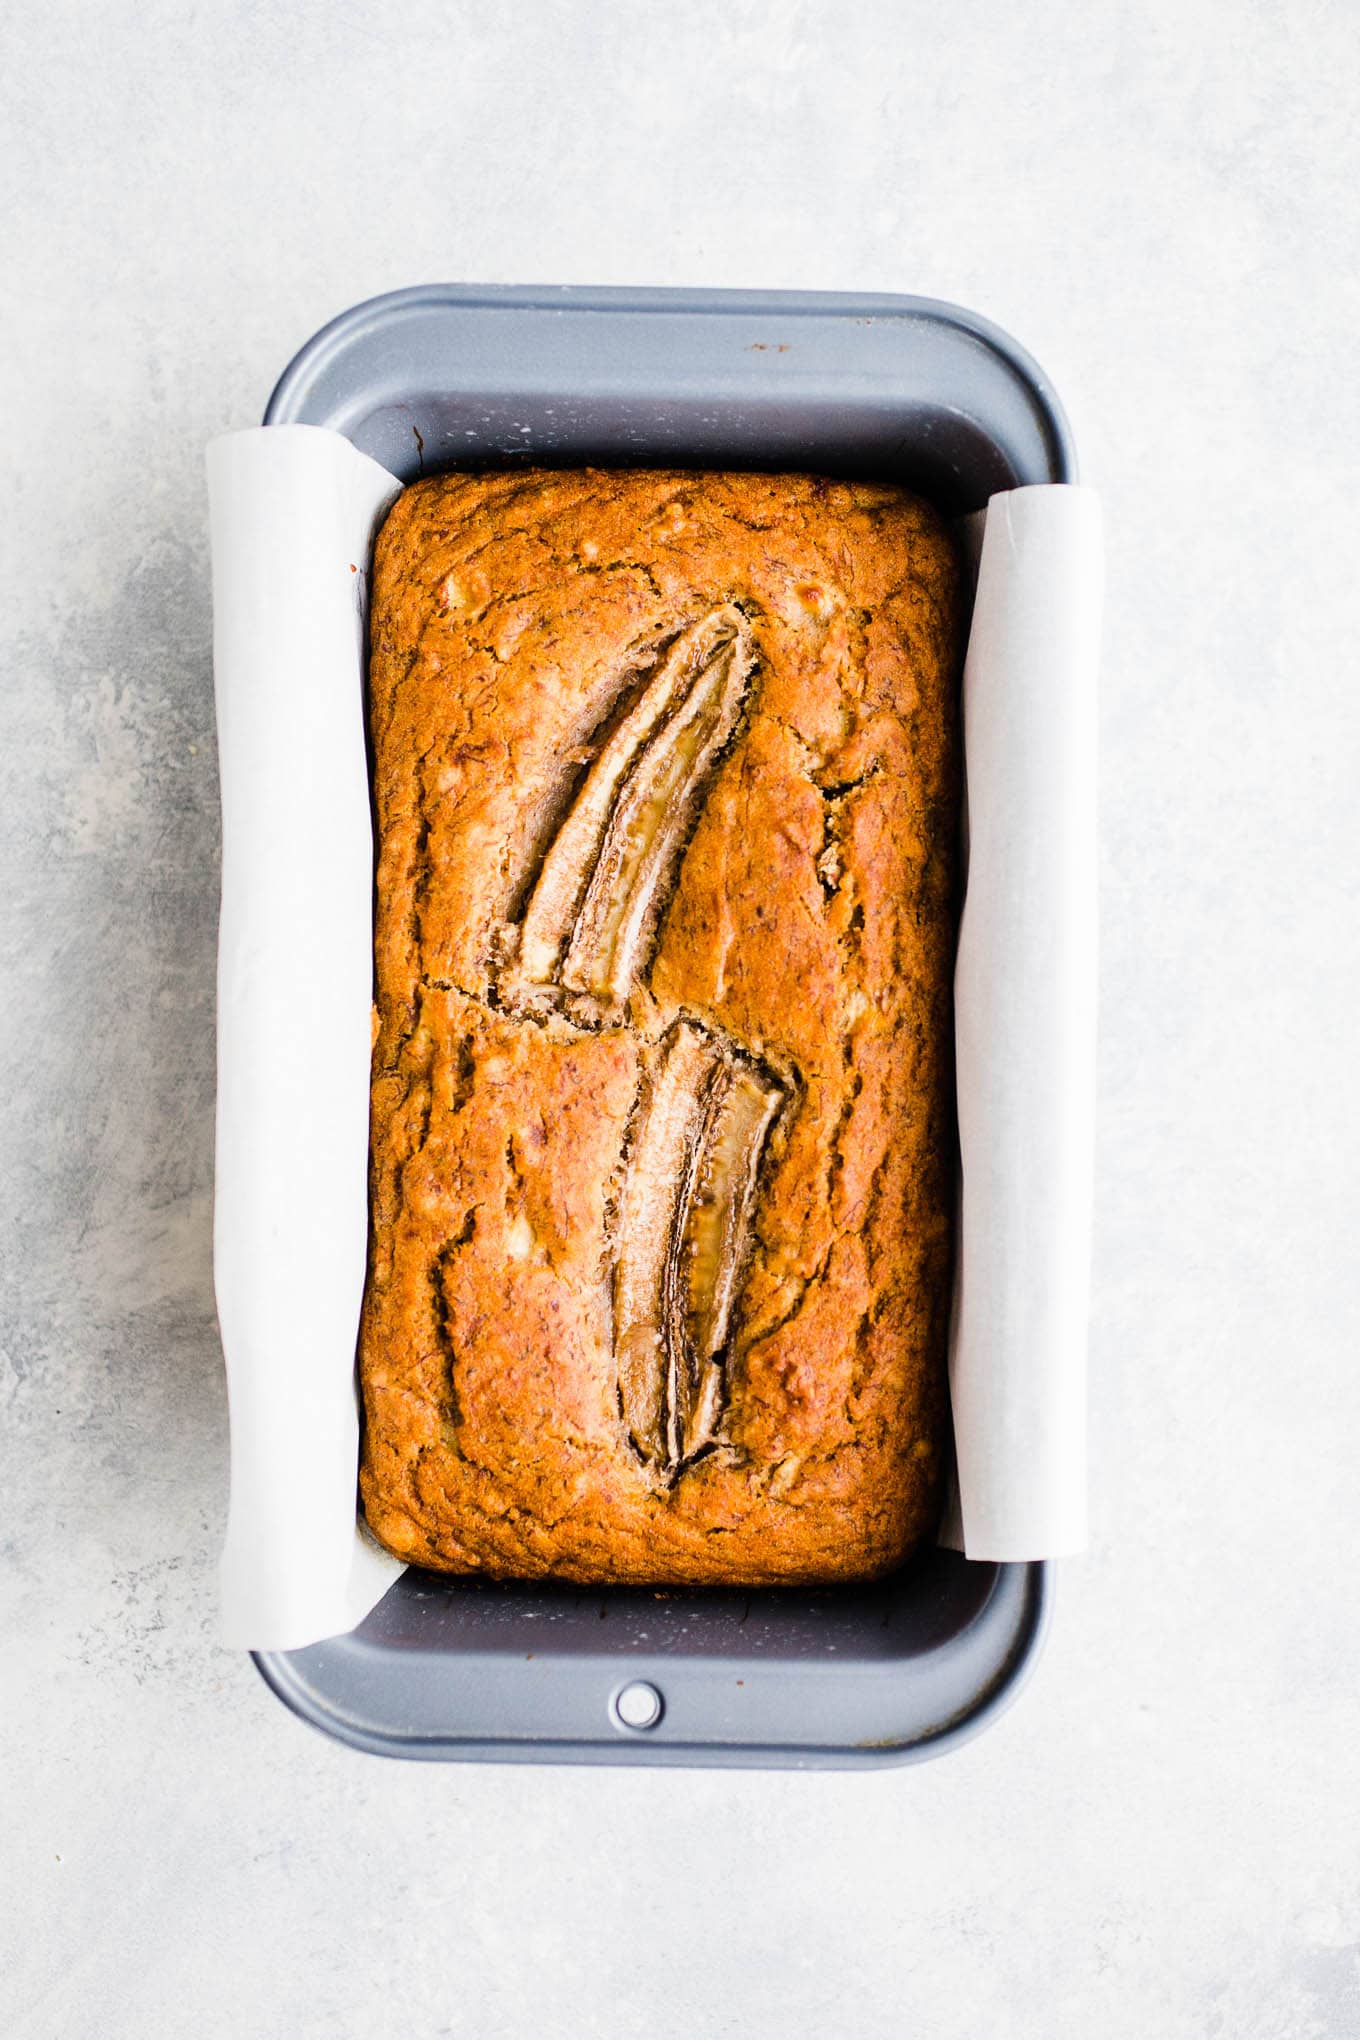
(1000, 1694)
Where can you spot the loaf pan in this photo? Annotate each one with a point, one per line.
(897, 387)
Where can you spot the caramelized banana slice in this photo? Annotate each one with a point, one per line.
(650, 822)
(593, 906)
(742, 1110)
(683, 1234)
(648, 1223)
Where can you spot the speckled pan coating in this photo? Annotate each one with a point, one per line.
(808, 926)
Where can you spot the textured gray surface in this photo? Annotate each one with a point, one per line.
(1161, 1839)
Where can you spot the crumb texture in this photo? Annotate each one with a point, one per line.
(662, 1114)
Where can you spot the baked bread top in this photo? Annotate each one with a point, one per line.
(662, 1116)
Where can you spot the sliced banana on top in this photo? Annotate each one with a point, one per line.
(683, 1234)
(594, 906)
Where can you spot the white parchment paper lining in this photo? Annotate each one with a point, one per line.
(293, 512)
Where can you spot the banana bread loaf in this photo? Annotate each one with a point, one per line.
(662, 1114)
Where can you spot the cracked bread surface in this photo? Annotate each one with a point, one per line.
(663, 1138)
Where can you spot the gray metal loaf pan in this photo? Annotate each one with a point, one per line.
(900, 387)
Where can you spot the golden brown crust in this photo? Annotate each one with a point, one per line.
(791, 956)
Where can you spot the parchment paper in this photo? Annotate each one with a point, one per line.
(1025, 1025)
(293, 511)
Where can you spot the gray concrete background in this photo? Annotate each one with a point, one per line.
(1158, 199)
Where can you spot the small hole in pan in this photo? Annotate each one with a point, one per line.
(637, 1706)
